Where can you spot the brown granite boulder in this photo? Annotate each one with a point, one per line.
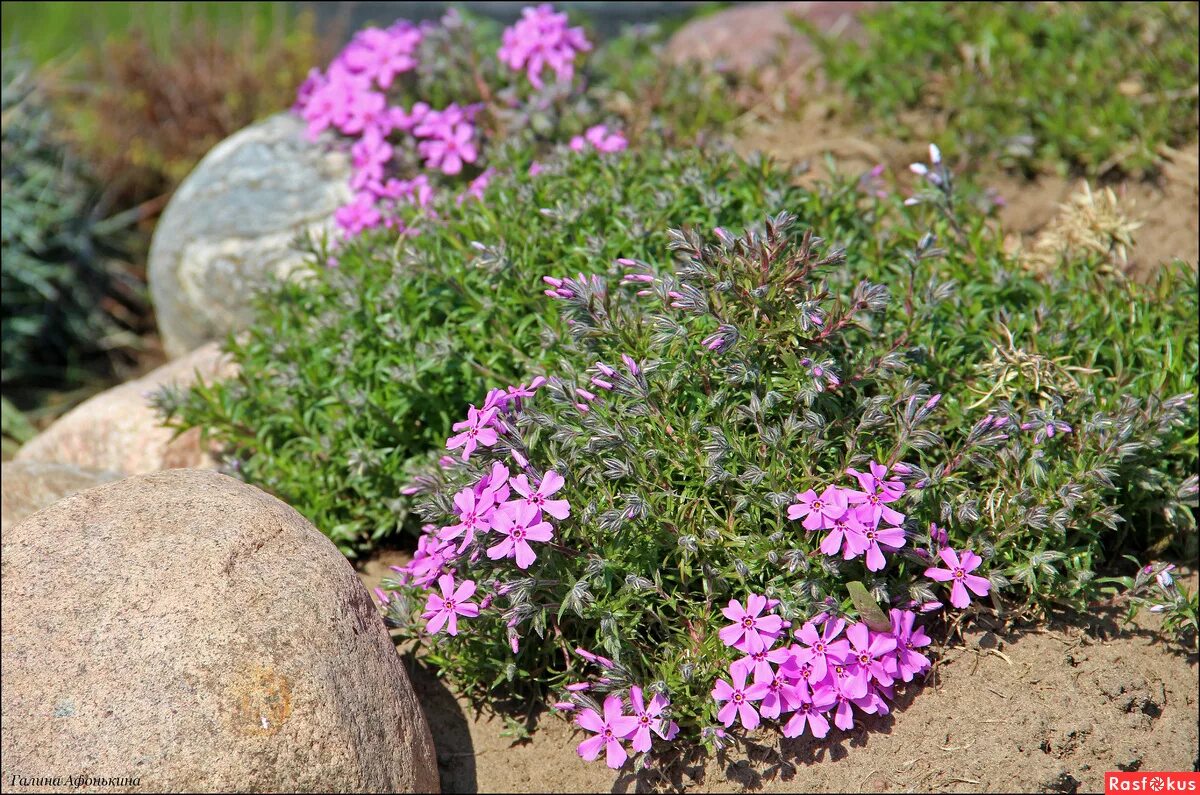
(748, 35)
(192, 632)
(120, 431)
(28, 486)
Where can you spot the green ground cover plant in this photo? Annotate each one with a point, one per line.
(352, 376)
(830, 422)
(1082, 87)
(697, 449)
(482, 157)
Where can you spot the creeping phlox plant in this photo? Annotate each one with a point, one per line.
(351, 378)
(746, 479)
(672, 484)
(421, 107)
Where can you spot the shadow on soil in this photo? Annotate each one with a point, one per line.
(451, 734)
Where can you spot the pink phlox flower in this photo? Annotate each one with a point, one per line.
(496, 399)
(359, 215)
(369, 155)
(430, 559)
(810, 713)
(451, 151)
(649, 719)
(408, 120)
(819, 512)
(416, 191)
(438, 123)
(327, 104)
(475, 430)
(475, 512)
(383, 54)
(477, 186)
(550, 484)
(779, 692)
(751, 631)
(890, 537)
(822, 648)
(610, 729)
(909, 661)
(875, 481)
(738, 697)
(846, 698)
(959, 573)
(540, 39)
(364, 109)
(800, 674)
(519, 523)
(760, 662)
(876, 701)
(444, 610)
(872, 511)
(846, 535)
(314, 80)
(847, 677)
(872, 652)
(604, 141)
(517, 394)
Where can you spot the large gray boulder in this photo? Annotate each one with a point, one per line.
(119, 429)
(230, 227)
(191, 631)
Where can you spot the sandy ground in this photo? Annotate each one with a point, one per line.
(1038, 710)
(1167, 206)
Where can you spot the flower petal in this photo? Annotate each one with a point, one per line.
(551, 483)
(979, 585)
(616, 754)
(958, 595)
(948, 555)
(590, 748)
(941, 575)
(588, 719)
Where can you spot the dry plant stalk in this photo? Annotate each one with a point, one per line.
(1088, 224)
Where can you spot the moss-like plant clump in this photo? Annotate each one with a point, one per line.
(1081, 86)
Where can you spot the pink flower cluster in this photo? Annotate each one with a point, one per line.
(511, 509)
(351, 98)
(615, 726)
(857, 521)
(481, 427)
(542, 38)
(612, 725)
(827, 671)
(600, 139)
(344, 97)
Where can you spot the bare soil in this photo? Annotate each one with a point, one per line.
(1167, 205)
(1035, 710)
